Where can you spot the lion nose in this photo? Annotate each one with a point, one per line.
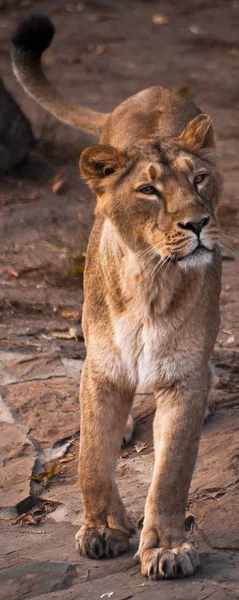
(195, 226)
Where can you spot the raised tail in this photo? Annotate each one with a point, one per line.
(30, 40)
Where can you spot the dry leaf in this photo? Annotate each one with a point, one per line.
(35, 516)
(68, 314)
(139, 446)
(45, 476)
(67, 459)
(73, 333)
(27, 519)
(79, 266)
(124, 455)
(196, 30)
(230, 340)
(14, 482)
(77, 270)
(227, 286)
(160, 19)
(58, 182)
(47, 501)
(13, 272)
(52, 471)
(99, 49)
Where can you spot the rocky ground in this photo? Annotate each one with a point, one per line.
(103, 52)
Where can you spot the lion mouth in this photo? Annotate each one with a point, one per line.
(198, 251)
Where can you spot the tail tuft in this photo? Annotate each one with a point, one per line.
(34, 34)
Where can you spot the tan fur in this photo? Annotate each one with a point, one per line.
(150, 318)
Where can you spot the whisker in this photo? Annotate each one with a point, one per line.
(213, 230)
(159, 246)
(164, 262)
(228, 250)
(170, 261)
(151, 258)
(147, 250)
(147, 263)
(144, 252)
(156, 270)
(227, 236)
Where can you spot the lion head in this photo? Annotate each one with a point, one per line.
(160, 193)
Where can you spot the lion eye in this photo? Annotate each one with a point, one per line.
(199, 179)
(108, 171)
(148, 190)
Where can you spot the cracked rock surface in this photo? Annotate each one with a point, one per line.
(103, 52)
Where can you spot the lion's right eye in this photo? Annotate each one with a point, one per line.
(148, 190)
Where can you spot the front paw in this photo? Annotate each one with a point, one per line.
(168, 563)
(99, 543)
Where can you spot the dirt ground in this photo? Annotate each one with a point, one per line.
(103, 52)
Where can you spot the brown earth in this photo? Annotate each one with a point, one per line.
(104, 51)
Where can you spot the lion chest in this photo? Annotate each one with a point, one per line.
(147, 352)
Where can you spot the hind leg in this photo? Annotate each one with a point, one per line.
(212, 381)
(128, 431)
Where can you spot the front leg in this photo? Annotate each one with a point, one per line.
(104, 411)
(163, 551)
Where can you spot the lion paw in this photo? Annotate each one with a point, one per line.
(97, 544)
(157, 563)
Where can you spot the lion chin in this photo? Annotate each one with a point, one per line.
(199, 258)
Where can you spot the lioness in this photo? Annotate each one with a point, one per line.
(151, 311)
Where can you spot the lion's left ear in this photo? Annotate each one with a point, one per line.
(198, 134)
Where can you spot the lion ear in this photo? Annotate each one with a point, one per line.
(99, 162)
(198, 134)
